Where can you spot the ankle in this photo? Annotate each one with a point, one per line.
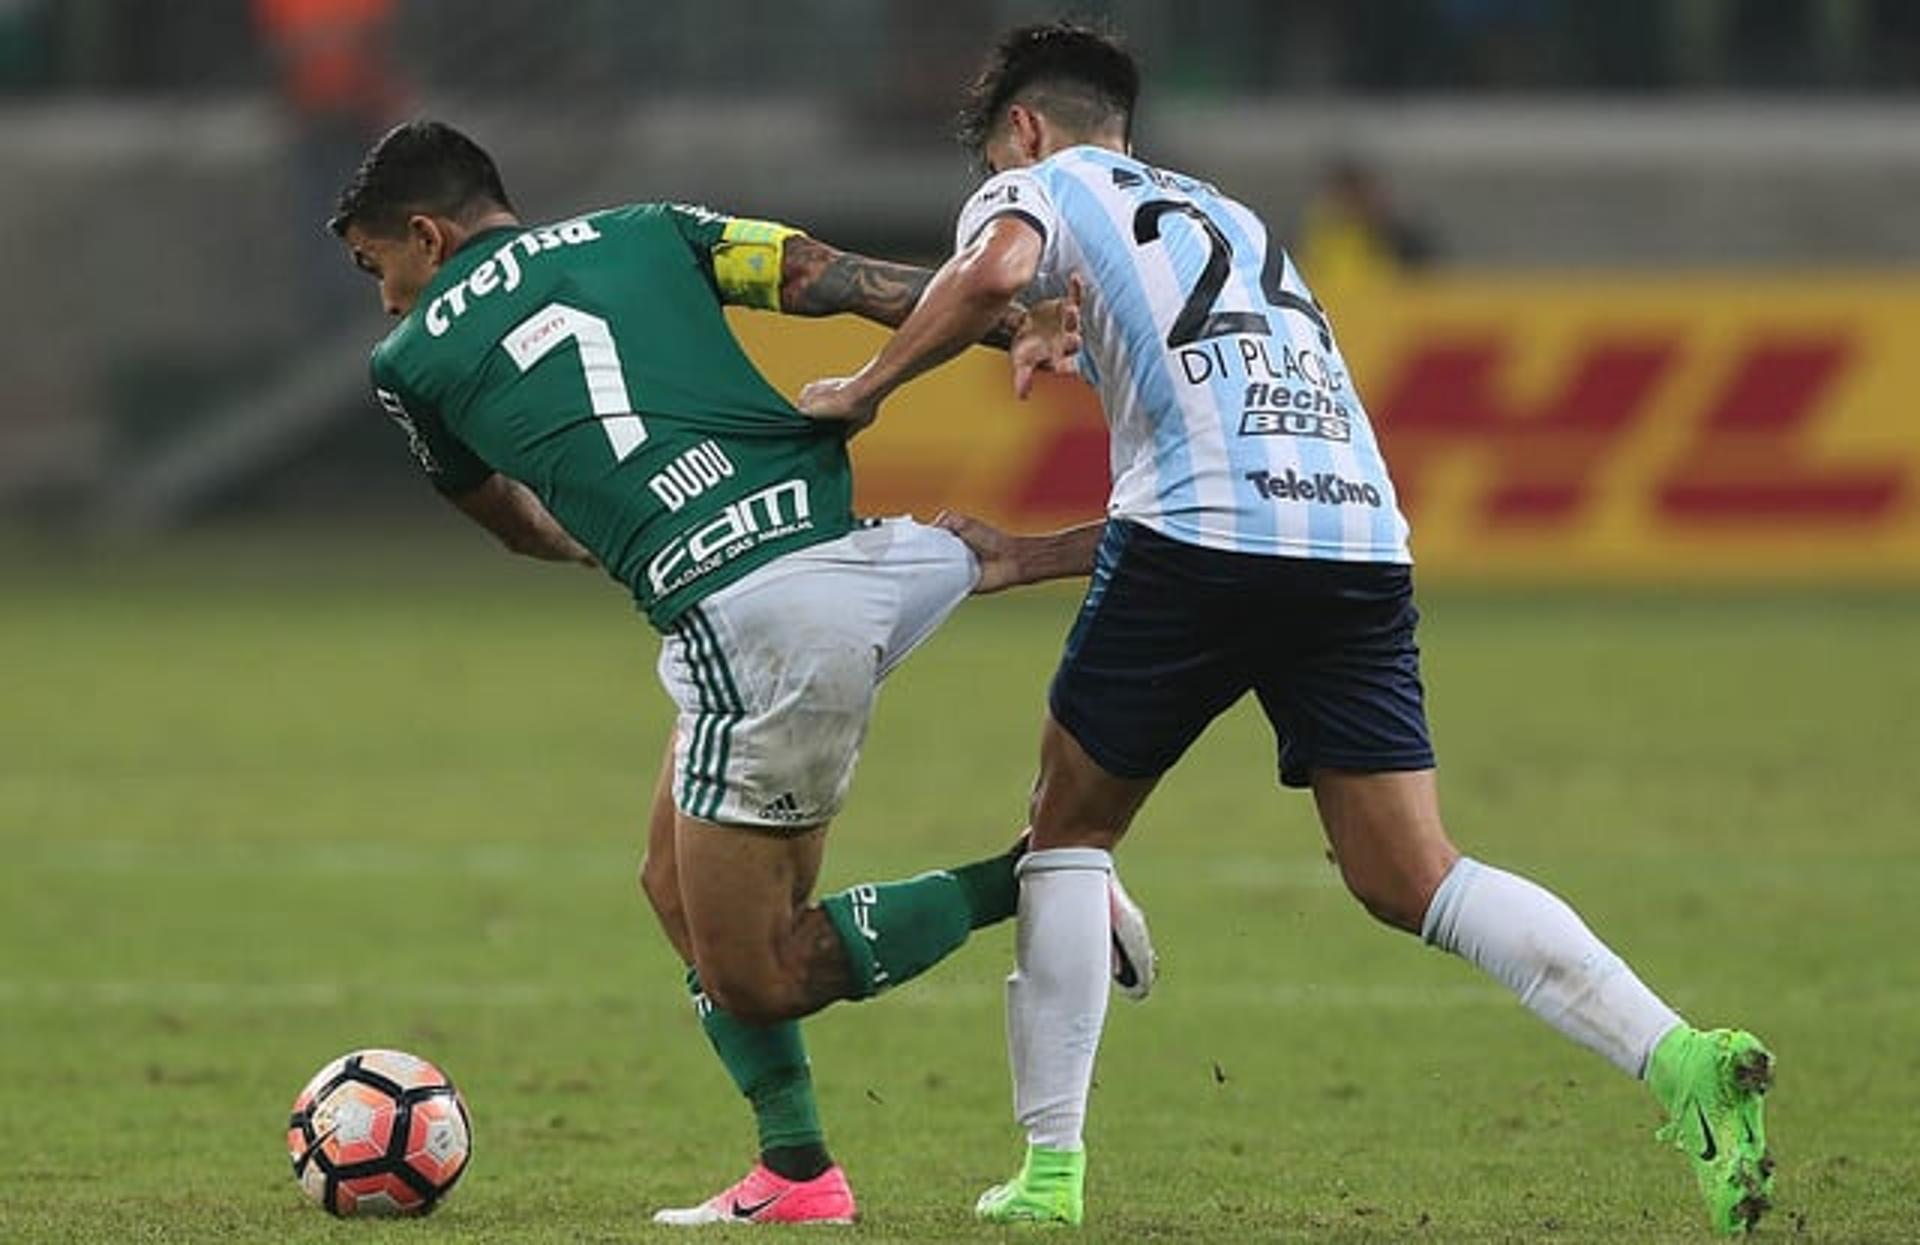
(799, 1163)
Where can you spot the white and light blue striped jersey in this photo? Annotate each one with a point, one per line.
(1233, 421)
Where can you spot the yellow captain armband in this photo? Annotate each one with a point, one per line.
(746, 262)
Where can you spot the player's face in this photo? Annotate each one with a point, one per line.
(402, 265)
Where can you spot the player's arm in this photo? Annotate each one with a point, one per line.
(820, 280)
(1008, 560)
(775, 267)
(509, 510)
(970, 294)
(502, 505)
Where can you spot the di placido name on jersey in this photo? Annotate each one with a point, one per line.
(501, 271)
(1298, 395)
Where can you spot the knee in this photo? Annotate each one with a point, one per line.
(1397, 898)
(1389, 906)
(1060, 822)
(754, 998)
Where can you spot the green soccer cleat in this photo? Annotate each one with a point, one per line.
(1049, 1189)
(1711, 1083)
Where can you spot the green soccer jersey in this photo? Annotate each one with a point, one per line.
(590, 360)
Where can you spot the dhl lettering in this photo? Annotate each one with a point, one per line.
(1445, 398)
(1750, 459)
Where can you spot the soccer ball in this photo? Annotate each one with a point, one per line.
(378, 1132)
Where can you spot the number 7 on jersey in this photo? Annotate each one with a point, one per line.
(541, 333)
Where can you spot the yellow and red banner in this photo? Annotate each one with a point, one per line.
(1739, 428)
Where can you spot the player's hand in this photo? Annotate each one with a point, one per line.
(997, 551)
(839, 398)
(1048, 339)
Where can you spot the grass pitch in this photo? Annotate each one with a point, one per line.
(257, 810)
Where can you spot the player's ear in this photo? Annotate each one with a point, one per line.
(427, 236)
(1027, 129)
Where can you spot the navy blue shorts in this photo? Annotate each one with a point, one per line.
(1172, 634)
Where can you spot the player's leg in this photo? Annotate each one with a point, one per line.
(768, 1064)
(1346, 702)
(842, 616)
(931, 565)
(775, 678)
(659, 871)
(1137, 683)
(1352, 723)
(1387, 839)
(1057, 995)
(1385, 831)
(740, 906)
(1387, 836)
(766, 955)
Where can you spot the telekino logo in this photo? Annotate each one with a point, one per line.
(1323, 486)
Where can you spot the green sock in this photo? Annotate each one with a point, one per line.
(993, 892)
(769, 1065)
(894, 931)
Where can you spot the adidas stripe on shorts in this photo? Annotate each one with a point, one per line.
(775, 675)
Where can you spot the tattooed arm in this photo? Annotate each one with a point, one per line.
(972, 293)
(818, 280)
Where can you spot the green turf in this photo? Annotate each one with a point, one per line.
(256, 811)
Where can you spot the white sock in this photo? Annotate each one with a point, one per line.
(1057, 996)
(1528, 938)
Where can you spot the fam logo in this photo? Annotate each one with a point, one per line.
(740, 527)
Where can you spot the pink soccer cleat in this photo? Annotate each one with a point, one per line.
(763, 1197)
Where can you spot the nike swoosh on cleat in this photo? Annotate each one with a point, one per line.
(1710, 1150)
(748, 1212)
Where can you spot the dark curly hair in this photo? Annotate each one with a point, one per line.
(1078, 76)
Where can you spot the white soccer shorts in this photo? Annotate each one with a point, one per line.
(775, 675)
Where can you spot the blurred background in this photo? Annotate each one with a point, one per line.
(1625, 285)
(293, 759)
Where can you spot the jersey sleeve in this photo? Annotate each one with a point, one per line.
(742, 257)
(449, 465)
(1017, 193)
